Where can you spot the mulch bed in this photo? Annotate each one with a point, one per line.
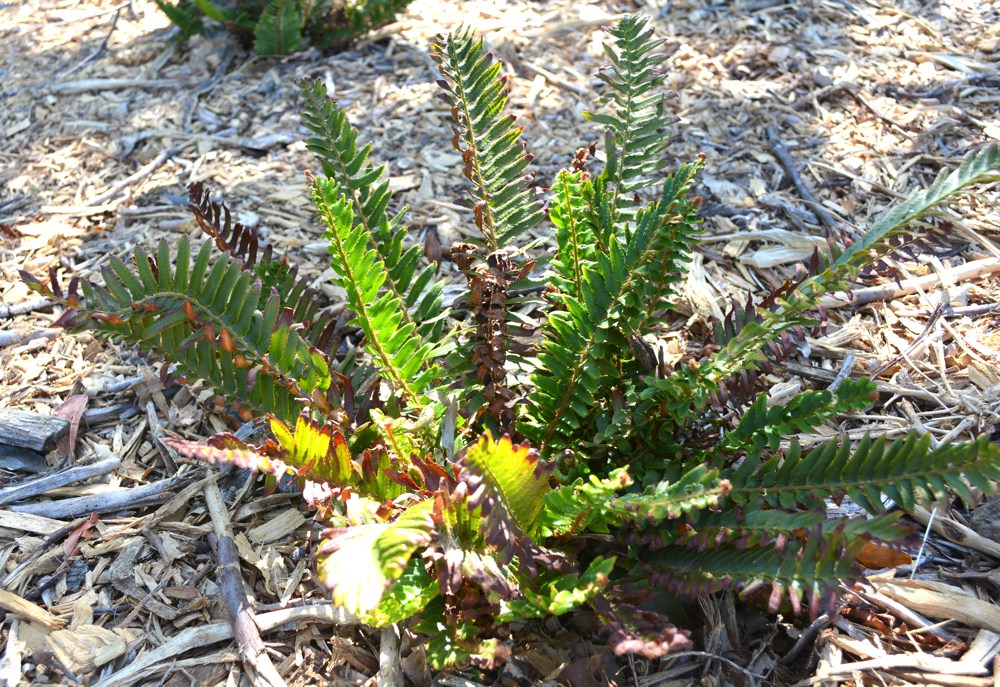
(813, 116)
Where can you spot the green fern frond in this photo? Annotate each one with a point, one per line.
(904, 470)
(756, 526)
(276, 274)
(208, 322)
(763, 426)
(279, 29)
(637, 128)
(582, 505)
(697, 489)
(559, 593)
(488, 140)
(335, 142)
(809, 570)
(981, 166)
(744, 351)
(576, 240)
(395, 346)
(183, 15)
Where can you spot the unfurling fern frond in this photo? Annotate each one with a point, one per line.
(279, 29)
(495, 162)
(394, 345)
(335, 141)
(905, 470)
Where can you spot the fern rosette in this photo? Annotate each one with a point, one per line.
(624, 477)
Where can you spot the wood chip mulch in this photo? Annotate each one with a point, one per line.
(120, 565)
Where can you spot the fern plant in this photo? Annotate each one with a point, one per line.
(463, 472)
(279, 27)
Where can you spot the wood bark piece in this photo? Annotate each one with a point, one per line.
(129, 497)
(956, 532)
(31, 430)
(13, 603)
(238, 611)
(939, 600)
(46, 483)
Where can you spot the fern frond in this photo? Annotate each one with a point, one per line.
(335, 143)
(637, 128)
(560, 593)
(358, 564)
(582, 505)
(761, 526)
(508, 483)
(395, 346)
(208, 322)
(764, 426)
(576, 240)
(809, 570)
(488, 140)
(744, 351)
(904, 470)
(279, 29)
(276, 274)
(699, 488)
(354, 19)
(184, 16)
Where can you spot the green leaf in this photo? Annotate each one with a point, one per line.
(359, 564)
(279, 29)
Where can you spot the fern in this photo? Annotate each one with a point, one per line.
(494, 162)
(637, 135)
(208, 321)
(334, 141)
(431, 518)
(279, 30)
(903, 470)
(279, 27)
(395, 347)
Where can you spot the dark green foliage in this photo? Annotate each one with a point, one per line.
(280, 27)
(630, 483)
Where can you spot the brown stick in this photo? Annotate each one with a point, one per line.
(788, 164)
(238, 612)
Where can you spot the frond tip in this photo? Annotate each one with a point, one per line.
(495, 162)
